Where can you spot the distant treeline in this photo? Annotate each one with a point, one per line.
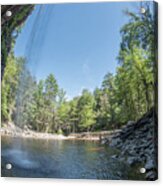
(126, 95)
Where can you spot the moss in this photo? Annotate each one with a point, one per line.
(6, 36)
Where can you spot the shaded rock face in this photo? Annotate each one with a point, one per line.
(137, 142)
(8, 25)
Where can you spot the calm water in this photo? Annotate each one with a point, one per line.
(61, 159)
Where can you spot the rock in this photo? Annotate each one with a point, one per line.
(104, 141)
(149, 165)
(136, 141)
(121, 158)
(114, 156)
(151, 175)
(130, 123)
(131, 160)
(114, 142)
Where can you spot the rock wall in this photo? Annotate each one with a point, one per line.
(137, 143)
(8, 25)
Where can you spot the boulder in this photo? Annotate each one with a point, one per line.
(149, 165)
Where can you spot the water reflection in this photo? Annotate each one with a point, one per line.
(60, 159)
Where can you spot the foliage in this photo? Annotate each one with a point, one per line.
(125, 95)
(11, 25)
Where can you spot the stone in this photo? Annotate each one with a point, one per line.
(149, 165)
(131, 160)
(114, 156)
(121, 159)
(114, 142)
(135, 141)
(151, 175)
(130, 123)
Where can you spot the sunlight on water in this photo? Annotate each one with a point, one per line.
(61, 159)
(20, 158)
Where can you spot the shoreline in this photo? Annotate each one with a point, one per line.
(49, 136)
(11, 130)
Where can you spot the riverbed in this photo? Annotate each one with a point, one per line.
(68, 159)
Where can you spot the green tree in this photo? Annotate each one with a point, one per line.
(10, 86)
(86, 111)
(51, 91)
(73, 115)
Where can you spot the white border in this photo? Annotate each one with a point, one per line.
(56, 182)
(61, 1)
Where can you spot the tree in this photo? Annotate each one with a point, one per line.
(63, 118)
(86, 111)
(135, 76)
(51, 88)
(10, 86)
(73, 115)
(51, 91)
(39, 110)
(123, 96)
(25, 102)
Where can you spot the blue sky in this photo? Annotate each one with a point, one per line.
(78, 43)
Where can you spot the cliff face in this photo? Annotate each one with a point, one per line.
(137, 142)
(8, 25)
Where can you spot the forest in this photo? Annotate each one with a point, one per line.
(126, 95)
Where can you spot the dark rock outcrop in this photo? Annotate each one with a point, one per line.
(137, 142)
(8, 25)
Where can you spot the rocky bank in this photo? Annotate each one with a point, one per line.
(137, 144)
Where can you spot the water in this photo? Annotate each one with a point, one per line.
(61, 159)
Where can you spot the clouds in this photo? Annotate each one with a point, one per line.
(87, 72)
(86, 69)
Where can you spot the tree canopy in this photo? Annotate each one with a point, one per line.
(125, 95)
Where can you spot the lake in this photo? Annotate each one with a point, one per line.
(69, 159)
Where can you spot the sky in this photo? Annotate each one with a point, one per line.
(78, 43)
